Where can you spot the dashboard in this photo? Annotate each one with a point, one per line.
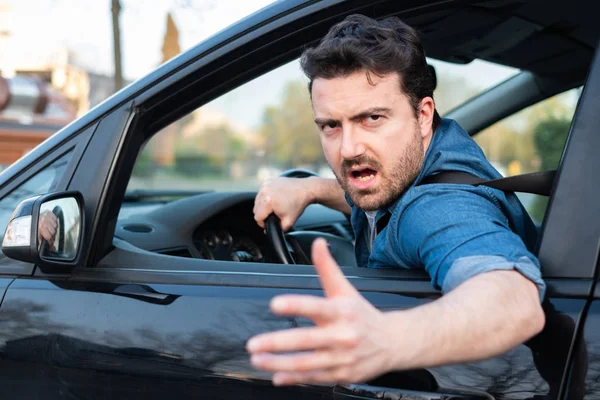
(214, 226)
(232, 235)
(223, 245)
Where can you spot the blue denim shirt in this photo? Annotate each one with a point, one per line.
(453, 231)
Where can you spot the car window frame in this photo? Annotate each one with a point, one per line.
(412, 278)
(201, 80)
(75, 144)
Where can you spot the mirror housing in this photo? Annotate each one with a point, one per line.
(46, 230)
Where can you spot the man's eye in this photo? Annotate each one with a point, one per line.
(373, 118)
(328, 126)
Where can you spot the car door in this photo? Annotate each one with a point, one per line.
(128, 323)
(572, 237)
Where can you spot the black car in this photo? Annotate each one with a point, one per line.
(152, 288)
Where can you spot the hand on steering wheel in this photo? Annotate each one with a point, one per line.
(273, 223)
(51, 224)
(341, 248)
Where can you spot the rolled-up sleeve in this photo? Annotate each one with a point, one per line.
(458, 234)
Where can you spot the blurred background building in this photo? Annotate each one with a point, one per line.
(41, 88)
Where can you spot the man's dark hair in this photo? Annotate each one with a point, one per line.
(380, 47)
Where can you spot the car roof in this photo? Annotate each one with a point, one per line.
(551, 38)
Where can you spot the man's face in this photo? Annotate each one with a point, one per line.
(370, 135)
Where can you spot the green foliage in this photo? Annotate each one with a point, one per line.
(534, 137)
(209, 153)
(550, 136)
(290, 137)
(195, 165)
(144, 165)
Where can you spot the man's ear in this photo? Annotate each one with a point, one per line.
(426, 113)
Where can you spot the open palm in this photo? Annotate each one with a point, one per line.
(348, 344)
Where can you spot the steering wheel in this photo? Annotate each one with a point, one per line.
(341, 249)
(273, 223)
(298, 173)
(277, 239)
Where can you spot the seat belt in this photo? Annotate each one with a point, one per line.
(536, 182)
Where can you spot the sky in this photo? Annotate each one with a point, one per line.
(40, 27)
(85, 26)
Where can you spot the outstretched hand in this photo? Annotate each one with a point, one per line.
(349, 343)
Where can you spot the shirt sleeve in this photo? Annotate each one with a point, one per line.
(457, 234)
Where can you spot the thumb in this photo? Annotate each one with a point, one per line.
(332, 278)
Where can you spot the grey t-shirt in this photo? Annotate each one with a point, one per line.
(372, 228)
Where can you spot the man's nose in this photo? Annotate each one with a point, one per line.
(352, 144)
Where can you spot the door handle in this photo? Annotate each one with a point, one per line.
(344, 392)
(144, 293)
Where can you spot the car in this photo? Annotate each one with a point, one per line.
(151, 290)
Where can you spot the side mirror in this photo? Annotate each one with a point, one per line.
(46, 230)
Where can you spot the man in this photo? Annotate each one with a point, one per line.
(372, 101)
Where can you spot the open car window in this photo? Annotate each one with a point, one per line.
(265, 127)
(531, 140)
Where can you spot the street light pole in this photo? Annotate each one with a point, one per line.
(116, 10)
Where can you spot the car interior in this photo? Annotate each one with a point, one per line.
(552, 53)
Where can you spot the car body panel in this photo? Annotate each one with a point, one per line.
(97, 340)
(4, 283)
(585, 374)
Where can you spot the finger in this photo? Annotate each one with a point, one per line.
(257, 201)
(46, 233)
(332, 376)
(301, 339)
(332, 278)
(50, 220)
(303, 362)
(263, 211)
(49, 233)
(52, 224)
(287, 222)
(314, 308)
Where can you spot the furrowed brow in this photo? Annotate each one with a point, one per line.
(370, 111)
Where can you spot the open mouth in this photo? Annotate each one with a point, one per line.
(364, 175)
(362, 178)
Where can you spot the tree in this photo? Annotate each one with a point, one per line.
(116, 11)
(550, 136)
(288, 131)
(170, 47)
(211, 152)
(164, 143)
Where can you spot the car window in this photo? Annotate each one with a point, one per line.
(531, 140)
(265, 127)
(43, 182)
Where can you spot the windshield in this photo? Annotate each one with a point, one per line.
(264, 128)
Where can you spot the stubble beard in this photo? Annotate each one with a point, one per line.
(393, 182)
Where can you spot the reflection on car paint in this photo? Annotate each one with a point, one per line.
(103, 339)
